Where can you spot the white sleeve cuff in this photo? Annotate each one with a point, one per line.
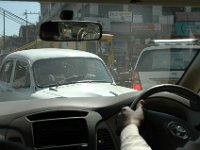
(131, 129)
(132, 140)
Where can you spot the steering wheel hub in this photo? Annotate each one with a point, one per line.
(178, 130)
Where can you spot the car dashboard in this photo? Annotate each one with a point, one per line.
(78, 123)
(62, 123)
(62, 129)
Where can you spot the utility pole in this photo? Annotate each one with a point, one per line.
(26, 18)
(4, 32)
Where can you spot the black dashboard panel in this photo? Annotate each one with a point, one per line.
(63, 123)
(60, 132)
(63, 130)
(59, 129)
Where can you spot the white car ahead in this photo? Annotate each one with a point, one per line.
(163, 63)
(52, 72)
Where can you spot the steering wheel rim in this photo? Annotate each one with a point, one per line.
(166, 122)
(185, 92)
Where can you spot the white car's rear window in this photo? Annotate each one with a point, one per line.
(59, 71)
(174, 59)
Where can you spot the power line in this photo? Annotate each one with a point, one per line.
(11, 18)
(8, 15)
(14, 17)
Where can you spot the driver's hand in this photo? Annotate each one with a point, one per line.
(128, 116)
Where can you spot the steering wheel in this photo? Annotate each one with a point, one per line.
(164, 131)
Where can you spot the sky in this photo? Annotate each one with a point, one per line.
(18, 9)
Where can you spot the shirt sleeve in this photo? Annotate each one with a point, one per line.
(132, 140)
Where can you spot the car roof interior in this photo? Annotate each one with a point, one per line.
(140, 2)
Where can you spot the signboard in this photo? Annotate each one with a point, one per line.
(137, 19)
(168, 20)
(151, 27)
(157, 10)
(120, 16)
(94, 9)
(188, 16)
(187, 28)
(105, 22)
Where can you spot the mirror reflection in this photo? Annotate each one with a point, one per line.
(70, 31)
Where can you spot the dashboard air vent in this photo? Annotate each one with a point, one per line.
(104, 140)
(56, 115)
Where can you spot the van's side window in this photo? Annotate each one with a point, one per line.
(22, 75)
(6, 71)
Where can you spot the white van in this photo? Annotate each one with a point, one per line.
(163, 63)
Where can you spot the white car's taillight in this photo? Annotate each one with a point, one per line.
(136, 84)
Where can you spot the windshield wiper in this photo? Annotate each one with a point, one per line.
(103, 81)
(98, 81)
(85, 81)
(63, 82)
(74, 80)
(74, 77)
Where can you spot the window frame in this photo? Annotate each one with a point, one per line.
(11, 72)
(14, 74)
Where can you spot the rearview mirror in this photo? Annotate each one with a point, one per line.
(70, 31)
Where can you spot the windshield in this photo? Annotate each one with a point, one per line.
(130, 58)
(60, 71)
